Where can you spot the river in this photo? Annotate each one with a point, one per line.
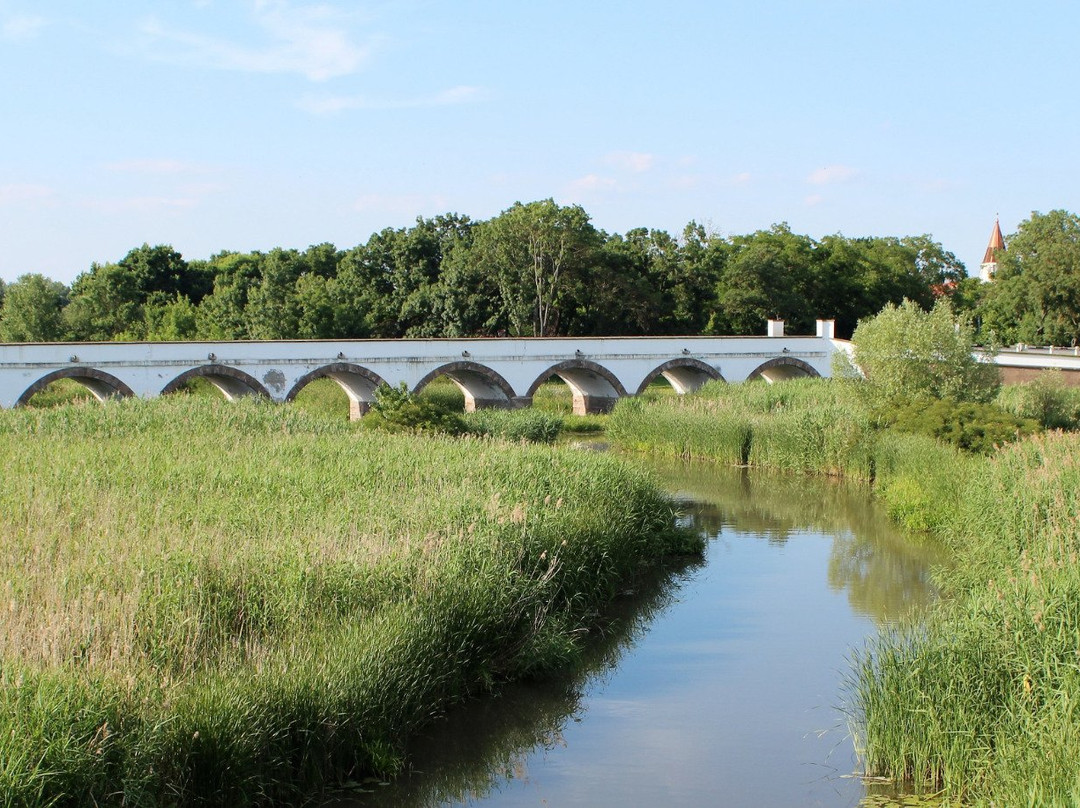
(720, 684)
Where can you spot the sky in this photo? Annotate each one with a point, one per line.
(244, 125)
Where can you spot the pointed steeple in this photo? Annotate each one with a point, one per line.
(989, 262)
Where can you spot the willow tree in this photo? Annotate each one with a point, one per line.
(536, 252)
(906, 352)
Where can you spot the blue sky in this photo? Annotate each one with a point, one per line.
(251, 124)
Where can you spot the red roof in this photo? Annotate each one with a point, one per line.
(997, 242)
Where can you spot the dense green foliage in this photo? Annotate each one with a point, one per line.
(1035, 296)
(1046, 399)
(906, 352)
(535, 269)
(242, 603)
(980, 698)
(972, 427)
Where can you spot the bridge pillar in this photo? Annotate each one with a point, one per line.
(592, 404)
(358, 409)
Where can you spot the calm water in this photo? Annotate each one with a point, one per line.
(720, 685)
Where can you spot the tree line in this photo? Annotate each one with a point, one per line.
(536, 269)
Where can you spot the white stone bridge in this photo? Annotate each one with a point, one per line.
(501, 372)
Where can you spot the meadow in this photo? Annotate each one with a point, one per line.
(212, 602)
(975, 701)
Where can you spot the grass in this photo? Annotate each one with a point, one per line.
(243, 603)
(804, 426)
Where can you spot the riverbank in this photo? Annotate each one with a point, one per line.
(231, 602)
(977, 700)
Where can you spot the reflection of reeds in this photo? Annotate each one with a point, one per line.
(239, 601)
(478, 746)
(885, 575)
(981, 699)
(978, 698)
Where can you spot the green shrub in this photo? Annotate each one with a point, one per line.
(974, 428)
(397, 410)
(1046, 400)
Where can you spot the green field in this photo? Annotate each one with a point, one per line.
(238, 603)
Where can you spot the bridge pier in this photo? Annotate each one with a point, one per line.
(592, 404)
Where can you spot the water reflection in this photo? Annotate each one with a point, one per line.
(470, 753)
(716, 684)
(885, 574)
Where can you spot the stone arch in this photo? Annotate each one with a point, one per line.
(782, 368)
(232, 383)
(101, 384)
(685, 374)
(595, 388)
(358, 382)
(483, 387)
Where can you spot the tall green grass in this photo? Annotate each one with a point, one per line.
(802, 426)
(982, 700)
(239, 603)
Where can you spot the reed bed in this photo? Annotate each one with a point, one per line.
(981, 700)
(809, 426)
(238, 603)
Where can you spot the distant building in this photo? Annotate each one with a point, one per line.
(989, 262)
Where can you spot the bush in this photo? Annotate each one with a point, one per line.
(1046, 400)
(906, 352)
(397, 410)
(974, 428)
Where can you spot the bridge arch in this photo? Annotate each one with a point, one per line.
(358, 382)
(101, 384)
(232, 383)
(595, 388)
(482, 387)
(782, 368)
(684, 374)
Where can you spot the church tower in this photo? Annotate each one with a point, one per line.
(989, 262)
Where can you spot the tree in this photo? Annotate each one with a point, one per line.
(175, 320)
(534, 251)
(221, 314)
(1035, 296)
(906, 352)
(31, 310)
(764, 278)
(106, 304)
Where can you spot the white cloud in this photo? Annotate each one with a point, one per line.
(742, 178)
(593, 182)
(634, 162)
(330, 105)
(313, 41)
(830, 175)
(813, 199)
(24, 193)
(22, 27)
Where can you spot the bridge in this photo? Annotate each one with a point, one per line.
(502, 372)
(1023, 363)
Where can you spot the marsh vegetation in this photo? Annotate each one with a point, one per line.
(236, 602)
